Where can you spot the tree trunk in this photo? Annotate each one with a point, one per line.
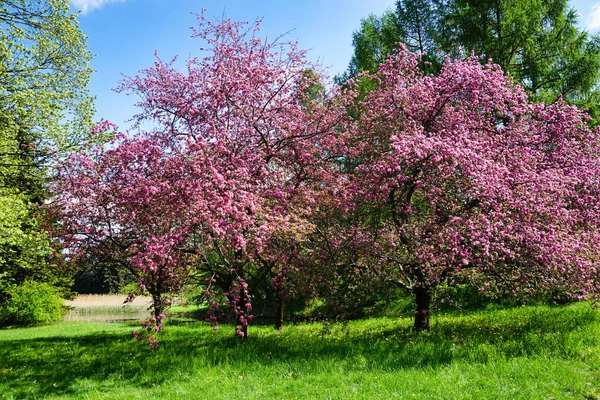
(159, 307)
(422, 309)
(243, 324)
(279, 310)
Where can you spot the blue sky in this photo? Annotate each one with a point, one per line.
(125, 33)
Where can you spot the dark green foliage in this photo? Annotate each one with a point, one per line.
(32, 303)
(418, 24)
(537, 42)
(24, 249)
(101, 278)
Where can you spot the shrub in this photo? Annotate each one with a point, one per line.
(33, 303)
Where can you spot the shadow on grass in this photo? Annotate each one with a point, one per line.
(52, 366)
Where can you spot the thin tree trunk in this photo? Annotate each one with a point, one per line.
(422, 308)
(242, 306)
(279, 310)
(158, 306)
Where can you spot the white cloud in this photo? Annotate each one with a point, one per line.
(593, 20)
(88, 5)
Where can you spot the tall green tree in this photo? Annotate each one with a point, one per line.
(373, 43)
(24, 249)
(44, 104)
(536, 41)
(44, 70)
(414, 23)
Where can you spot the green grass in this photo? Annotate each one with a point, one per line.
(534, 352)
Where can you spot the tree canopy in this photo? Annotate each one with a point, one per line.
(418, 180)
(45, 111)
(459, 171)
(228, 170)
(44, 70)
(537, 42)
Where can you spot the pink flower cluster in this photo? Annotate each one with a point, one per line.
(253, 163)
(150, 329)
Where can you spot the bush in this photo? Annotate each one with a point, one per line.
(32, 303)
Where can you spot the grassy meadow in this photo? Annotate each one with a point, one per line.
(532, 352)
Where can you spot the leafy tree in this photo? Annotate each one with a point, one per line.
(536, 42)
(44, 70)
(459, 171)
(373, 43)
(24, 249)
(44, 104)
(414, 23)
(225, 176)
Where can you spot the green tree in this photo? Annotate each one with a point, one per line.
(23, 248)
(373, 43)
(414, 23)
(44, 104)
(44, 70)
(536, 41)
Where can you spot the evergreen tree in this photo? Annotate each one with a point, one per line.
(536, 42)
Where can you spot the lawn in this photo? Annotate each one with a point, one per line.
(533, 352)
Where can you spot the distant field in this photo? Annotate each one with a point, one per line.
(535, 352)
(107, 307)
(112, 307)
(106, 300)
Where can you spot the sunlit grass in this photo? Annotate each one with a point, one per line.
(520, 353)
